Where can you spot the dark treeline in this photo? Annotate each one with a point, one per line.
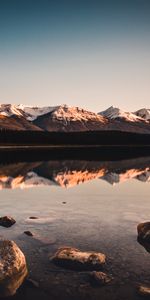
(9, 137)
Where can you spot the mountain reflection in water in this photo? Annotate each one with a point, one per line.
(69, 173)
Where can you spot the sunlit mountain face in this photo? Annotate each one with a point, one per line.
(64, 118)
(113, 113)
(69, 173)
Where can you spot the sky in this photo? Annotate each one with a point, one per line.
(86, 53)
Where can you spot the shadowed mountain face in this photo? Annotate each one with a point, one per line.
(69, 173)
(17, 123)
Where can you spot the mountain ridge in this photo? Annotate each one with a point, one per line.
(64, 118)
(141, 115)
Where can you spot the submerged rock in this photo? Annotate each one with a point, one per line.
(72, 258)
(7, 221)
(29, 233)
(13, 269)
(144, 290)
(99, 278)
(144, 235)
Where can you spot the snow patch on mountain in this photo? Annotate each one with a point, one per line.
(68, 113)
(9, 110)
(115, 113)
(32, 113)
(28, 112)
(143, 113)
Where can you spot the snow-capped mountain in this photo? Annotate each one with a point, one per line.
(32, 113)
(143, 113)
(66, 118)
(63, 118)
(28, 112)
(127, 121)
(60, 112)
(114, 113)
(9, 110)
(58, 118)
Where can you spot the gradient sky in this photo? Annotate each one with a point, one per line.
(86, 53)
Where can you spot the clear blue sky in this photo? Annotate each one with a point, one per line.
(86, 53)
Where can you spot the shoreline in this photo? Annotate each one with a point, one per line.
(12, 146)
(11, 153)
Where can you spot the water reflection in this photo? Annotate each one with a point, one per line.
(97, 217)
(68, 173)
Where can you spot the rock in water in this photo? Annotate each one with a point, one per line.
(144, 290)
(144, 231)
(144, 235)
(99, 278)
(75, 259)
(13, 268)
(7, 221)
(29, 233)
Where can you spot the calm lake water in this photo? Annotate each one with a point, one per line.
(87, 204)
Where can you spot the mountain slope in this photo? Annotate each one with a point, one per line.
(125, 121)
(65, 118)
(58, 118)
(114, 113)
(19, 117)
(32, 113)
(28, 112)
(16, 123)
(143, 113)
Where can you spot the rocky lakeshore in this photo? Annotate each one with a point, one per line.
(65, 272)
(14, 272)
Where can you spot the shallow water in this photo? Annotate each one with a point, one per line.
(90, 205)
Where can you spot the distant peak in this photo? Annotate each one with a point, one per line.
(116, 113)
(143, 113)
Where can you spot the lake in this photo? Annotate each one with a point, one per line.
(91, 204)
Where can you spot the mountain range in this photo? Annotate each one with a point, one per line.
(64, 118)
